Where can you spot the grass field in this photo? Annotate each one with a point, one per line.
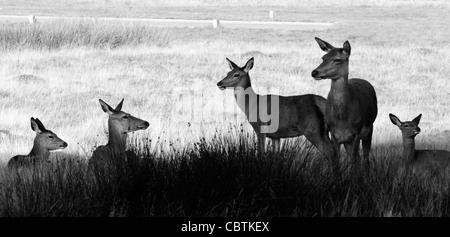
(197, 138)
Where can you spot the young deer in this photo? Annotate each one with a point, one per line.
(413, 157)
(297, 115)
(120, 124)
(351, 106)
(44, 142)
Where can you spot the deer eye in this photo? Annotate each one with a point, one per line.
(51, 136)
(406, 126)
(236, 75)
(125, 117)
(337, 61)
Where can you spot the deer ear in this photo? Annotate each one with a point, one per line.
(416, 120)
(37, 126)
(347, 47)
(249, 65)
(106, 108)
(395, 120)
(231, 64)
(324, 45)
(119, 106)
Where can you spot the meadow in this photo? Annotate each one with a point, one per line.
(198, 155)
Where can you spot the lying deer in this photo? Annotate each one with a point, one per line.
(418, 158)
(44, 142)
(120, 124)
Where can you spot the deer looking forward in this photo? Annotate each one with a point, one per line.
(291, 116)
(120, 124)
(44, 142)
(418, 158)
(351, 106)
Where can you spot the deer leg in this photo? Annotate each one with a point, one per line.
(276, 144)
(366, 145)
(335, 156)
(329, 148)
(261, 143)
(322, 143)
(352, 149)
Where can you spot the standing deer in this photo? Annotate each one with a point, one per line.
(44, 142)
(120, 124)
(351, 106)
(294, 115)
(418, 158)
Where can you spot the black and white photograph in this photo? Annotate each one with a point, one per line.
(225, 108)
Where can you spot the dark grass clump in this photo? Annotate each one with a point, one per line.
(62, 189)
(222, 177)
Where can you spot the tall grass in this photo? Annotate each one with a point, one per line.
(216, 178)
(80, 33)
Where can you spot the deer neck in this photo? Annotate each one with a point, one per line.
(245, 96)
(117, 138)
(39, 150)
(339, 93)
(408, 149)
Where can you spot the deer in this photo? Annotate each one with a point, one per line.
(351, 105)
(44, 142)
(418, 158)
(120, 124)
(115, 166)
(297, 115)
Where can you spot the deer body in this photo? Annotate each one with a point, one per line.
(44, 142)
(418, 158)
(434, 158)
(297, 115)
(348, 111)
(351, 106)
(306, 108)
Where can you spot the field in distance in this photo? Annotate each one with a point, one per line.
(401, 51)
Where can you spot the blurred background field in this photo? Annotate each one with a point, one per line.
(291, 10)
(57, 71)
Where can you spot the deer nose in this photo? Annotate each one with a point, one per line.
(314, 73)
(219, 83)
(144, 125)
(64, 144)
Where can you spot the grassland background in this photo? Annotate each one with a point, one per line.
(402, 50)
(401, 47)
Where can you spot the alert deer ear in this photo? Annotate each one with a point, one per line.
(395, 120)
(347, 47)
(416, 120)
(249, 65)
(324, 45)
(119, 106)
(231, 64)
(37, 126)
(106, 108)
